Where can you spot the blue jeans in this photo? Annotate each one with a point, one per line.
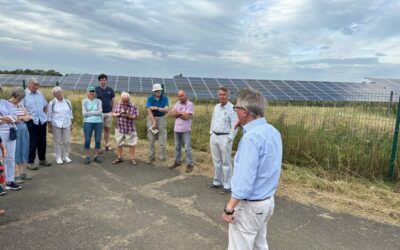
(88, 128)
(22, 143)
(179, 137)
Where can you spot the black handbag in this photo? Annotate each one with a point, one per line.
(13, 134)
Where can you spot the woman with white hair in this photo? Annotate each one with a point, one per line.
(7, 119)
(59, 119)
(22, 142)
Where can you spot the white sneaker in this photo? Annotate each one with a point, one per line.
(67, 159)
(59, 161)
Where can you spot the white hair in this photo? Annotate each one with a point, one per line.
(125, 94)
(56, 89)
(252, 100)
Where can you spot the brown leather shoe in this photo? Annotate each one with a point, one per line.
(189, 168)
(175, 165)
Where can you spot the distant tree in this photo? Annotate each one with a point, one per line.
(51, 72)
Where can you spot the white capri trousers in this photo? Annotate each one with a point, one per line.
(62, 139)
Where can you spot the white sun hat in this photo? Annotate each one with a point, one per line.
(156, 87)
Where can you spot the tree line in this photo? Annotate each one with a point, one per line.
(31, 72)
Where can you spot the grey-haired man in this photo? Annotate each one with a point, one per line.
(223, 132)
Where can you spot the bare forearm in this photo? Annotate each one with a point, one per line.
(151, 116)
(164, 110)
(232, 203)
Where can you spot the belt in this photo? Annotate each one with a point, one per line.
(220, 133)
(257, 200)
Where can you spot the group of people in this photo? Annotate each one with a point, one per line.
(27, 116)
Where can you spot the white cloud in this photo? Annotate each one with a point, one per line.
(259, 39)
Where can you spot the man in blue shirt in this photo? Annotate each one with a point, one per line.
(257, 168)
(157, 106)
(36, 105)
(107, 97)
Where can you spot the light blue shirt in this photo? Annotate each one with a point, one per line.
(34, 104)
(258, 161)
(6, 109)
(224, 119)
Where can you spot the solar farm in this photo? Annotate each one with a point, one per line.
(378, 90)
(328, 123)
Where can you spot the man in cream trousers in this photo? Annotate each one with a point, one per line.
(223, 132)
(256, 175)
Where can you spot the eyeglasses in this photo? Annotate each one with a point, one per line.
(235, 108)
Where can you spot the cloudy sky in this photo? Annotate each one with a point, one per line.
(271, 39)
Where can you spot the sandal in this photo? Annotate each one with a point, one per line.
(107, 148)
(133, 162)
(118, 160)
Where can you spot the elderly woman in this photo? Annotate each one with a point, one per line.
(59, 123)
(92, 122)
(7, 119)
(22, 142)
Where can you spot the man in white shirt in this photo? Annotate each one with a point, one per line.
(223, 132)
(59, 118)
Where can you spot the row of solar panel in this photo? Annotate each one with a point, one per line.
(390, 84)
(207, 88)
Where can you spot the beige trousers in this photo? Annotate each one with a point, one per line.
(62, 139)
(249, 229)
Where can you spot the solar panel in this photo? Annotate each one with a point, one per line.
(207, 88)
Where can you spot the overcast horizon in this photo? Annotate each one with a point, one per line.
(281, 39)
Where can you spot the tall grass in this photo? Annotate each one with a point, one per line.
(341, 138)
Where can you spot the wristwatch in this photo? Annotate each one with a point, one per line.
(227, 212)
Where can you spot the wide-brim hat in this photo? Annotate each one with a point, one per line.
(156, 87)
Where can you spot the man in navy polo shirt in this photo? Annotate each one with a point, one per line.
(157, 106)
(107, 96)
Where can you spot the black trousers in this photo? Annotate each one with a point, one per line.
(37, 141)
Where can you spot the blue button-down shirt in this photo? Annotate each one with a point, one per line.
(34, 104)
(224, 119)
(258, 161)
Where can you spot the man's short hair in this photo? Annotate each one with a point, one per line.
(33, 81)
(102, 76)
(252, 100)
(224, 89)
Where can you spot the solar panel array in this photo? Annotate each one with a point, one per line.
(207, 88)
(387, 83)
